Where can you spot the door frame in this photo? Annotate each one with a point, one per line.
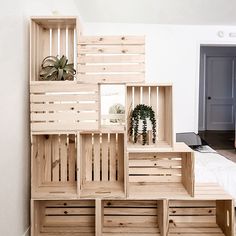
(197, 81)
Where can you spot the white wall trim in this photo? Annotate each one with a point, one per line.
(27, 232)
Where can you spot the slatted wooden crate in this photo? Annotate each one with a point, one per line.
(54, 166)
(66, 106)
(159, 97)
(111, 59)
(63, 217)
(102, 164)
(212, 217)
(161, 174)
(52, 36)
(129, 218)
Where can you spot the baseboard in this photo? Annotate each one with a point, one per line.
(27, 232)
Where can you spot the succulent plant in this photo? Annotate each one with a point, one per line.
(141, 112)
(56, 68)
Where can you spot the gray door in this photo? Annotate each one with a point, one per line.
(220, 93)
(217, 88)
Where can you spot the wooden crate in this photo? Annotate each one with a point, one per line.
(64, 106)
(161, 174)
(129, 218)
(52, 36)
(206, 217)
(54, 166)
(159, 97)
(111, 59)
(63, 217)
(102, 164)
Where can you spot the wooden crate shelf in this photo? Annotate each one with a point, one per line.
(64, 106)
(131, 218)
(161, 174)
(159, 97)
(111, 59)
(206, 217)
(54, 166)
(102, 164)
(65, 218)
(52, 36)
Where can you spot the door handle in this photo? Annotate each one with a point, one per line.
(209, 98)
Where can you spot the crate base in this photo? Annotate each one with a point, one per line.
(102, 189)
(137, 147)
(110, 231)
(157, 190)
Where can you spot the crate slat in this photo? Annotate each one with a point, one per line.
(111, 59)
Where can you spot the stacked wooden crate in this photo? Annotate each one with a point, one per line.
(93, 180)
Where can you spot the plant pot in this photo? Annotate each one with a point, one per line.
(140, 125)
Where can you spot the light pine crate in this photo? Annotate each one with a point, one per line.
(131, 218)
(52, 36)
(159, 97)
(54, 166)
(111, 59)
(64, 217)
(201, 217)
(102, 161)
(161, 174)
(64, 106)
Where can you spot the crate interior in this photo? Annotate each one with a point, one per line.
(52, 37)
(54, 164)
(160, 174)
(131, 217)
(56, 106)
(102, 164)
(201, 217)
(64, 218)
(160, 99)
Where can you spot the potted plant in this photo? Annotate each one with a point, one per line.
(142, 120)
(56, 68)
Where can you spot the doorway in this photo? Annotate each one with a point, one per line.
(217, 95)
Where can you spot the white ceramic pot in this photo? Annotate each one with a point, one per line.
(140, 125)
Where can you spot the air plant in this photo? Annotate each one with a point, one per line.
(56, 68)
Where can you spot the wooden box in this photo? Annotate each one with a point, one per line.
(64, 106)
(111, 59)
(52, 36)
(161, 174)
(201, 217)
(64, 217)
(102, 164)
(54, 166)
(129, 218)
(159, 97)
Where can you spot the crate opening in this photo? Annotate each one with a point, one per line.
(75, 217)
(54, 162)
(199, 217)
(102, 164)
(131, 217)
(52, 37)
(112, 106)
(160, 175)
(159, 97)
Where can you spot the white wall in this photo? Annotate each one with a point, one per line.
(172, 55)
(14, 109)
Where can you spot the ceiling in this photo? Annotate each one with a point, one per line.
(197, 12)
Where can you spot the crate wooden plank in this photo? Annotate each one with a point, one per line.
(105, 157)
(96, 155)
(111, 59)
(69, 106)
(112, 166)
